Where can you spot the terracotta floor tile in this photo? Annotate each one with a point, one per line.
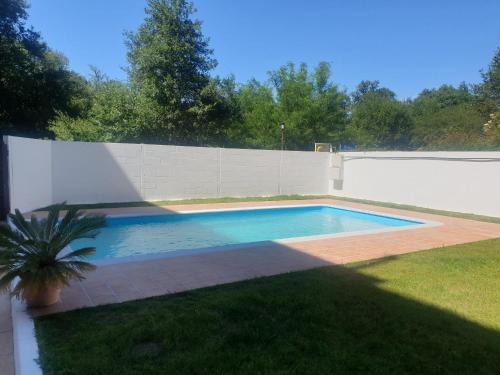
(101, 294)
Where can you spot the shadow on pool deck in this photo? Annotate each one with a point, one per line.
(334, 319)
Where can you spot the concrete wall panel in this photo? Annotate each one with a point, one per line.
(454, 181)
(30, 173)
(80, 172)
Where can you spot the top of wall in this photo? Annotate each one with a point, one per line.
(424, 154)
(27, 139)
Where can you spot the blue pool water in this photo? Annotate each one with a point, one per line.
(173, 232)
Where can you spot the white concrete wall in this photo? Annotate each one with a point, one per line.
(80, 172)
(452, 181)
(46, 172)
(96, 172)
(172, 172)
(250, 173)
(305, 173)
(30, 173)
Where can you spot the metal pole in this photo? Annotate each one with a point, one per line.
(282, 127)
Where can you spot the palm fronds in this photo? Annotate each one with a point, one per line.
(33, 249)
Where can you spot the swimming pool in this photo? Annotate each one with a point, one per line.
(180, 232)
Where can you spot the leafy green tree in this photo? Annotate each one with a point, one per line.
(312, 107)
(170, 61)
(488, 91)
(373, 88)
(442, 97)
(457, 127)
(492, 130)
(488, 101)
(256, 124)
(110, 116)
(35, 81)
(379, 123)
(447, 118)
(378, 120)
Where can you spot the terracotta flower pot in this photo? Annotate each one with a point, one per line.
(45, 296)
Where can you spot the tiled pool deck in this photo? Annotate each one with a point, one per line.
(148, 278)
(129, 281)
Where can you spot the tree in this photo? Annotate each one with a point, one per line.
(372, 88)
(256, 123)
(111, 115)
(457, 127)
(170, 61)
(378, 120)
(492, 130)
(488, 93)
(381, 123)
(447, 118)
(442, 97)
(312, 107)
(35, 81)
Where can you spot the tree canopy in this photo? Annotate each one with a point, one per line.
(110, 115)
(379, 122)
(307, 102)
(170, 62)
(35, 82)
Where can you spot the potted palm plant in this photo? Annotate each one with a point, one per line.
(35, 252)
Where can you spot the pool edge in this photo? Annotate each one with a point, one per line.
(418, 224)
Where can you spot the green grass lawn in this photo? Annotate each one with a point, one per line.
(433, 312)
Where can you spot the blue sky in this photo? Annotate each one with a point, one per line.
(406, 45)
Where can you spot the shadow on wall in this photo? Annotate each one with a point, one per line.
(107, 172)
(84, 173)
(336, 318)
(96, 172)
(43, 172)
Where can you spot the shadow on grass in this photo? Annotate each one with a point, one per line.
(322, 321)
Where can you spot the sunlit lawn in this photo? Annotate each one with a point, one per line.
(429, 312)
